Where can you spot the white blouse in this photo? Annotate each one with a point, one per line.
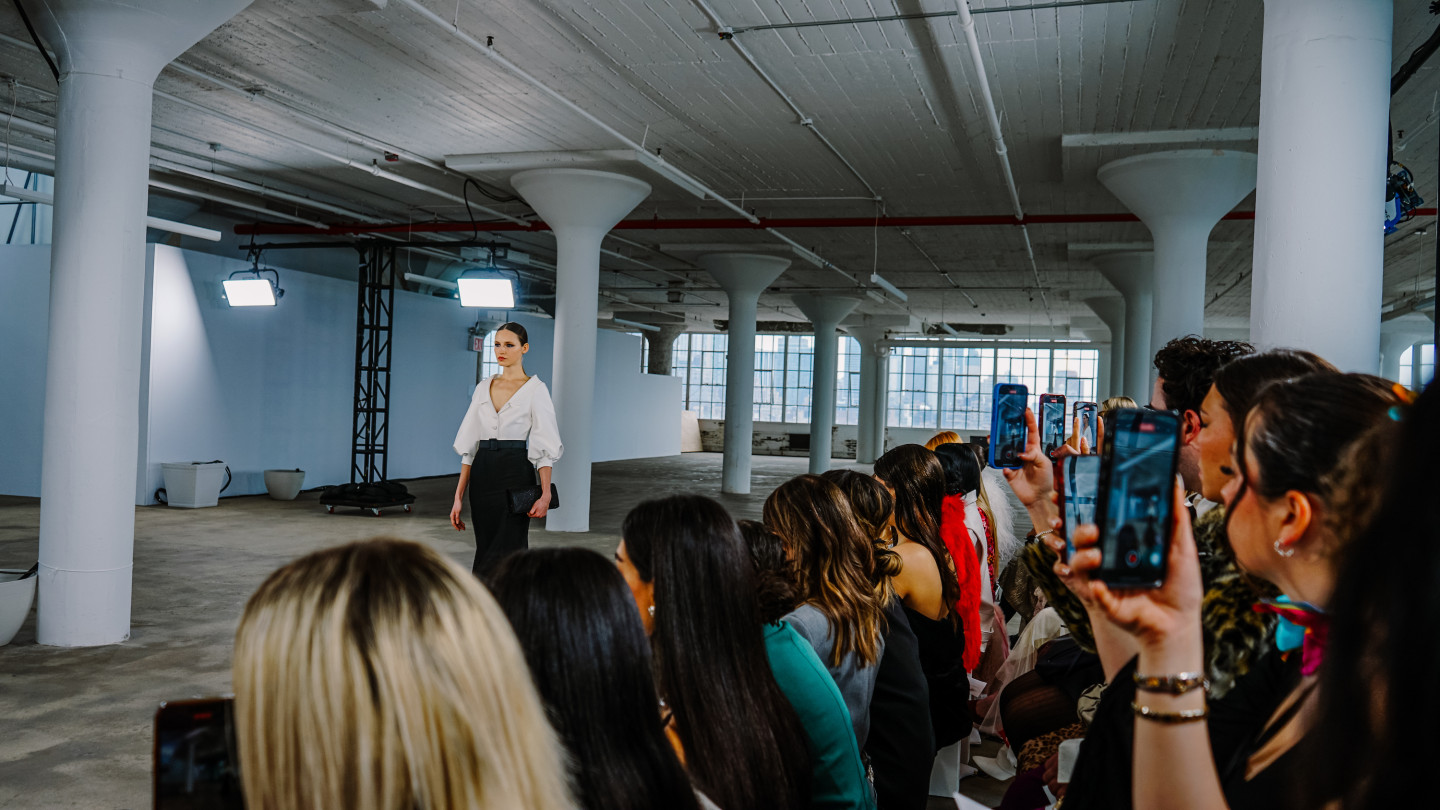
(528, 414)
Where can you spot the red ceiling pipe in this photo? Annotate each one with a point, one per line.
(276, 228)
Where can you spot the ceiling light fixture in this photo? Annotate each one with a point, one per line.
(875, 278)
(636, 325)
(486, 288)
(256, 291)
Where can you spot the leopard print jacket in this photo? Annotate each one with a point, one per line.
(1235, 635)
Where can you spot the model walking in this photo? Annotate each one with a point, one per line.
(507, 409)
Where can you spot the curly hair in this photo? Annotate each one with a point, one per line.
(1187, 367)
(774, 595)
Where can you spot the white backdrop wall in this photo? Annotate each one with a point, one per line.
(272, 387)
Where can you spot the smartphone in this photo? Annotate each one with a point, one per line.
(1089, 415)
(1007, 424)
(1077, 479)
(1137, 488)
(196, 759)
(1052, 422)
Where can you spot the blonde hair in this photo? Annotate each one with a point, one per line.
(1116, 403)
(943, 437)
(381, 676)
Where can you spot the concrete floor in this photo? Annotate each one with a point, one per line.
(76, 724)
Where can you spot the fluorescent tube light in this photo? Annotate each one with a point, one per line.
(948, 328)
(636, 325)
(46, 198)
(430, 280)
(875, 278)
(491, 293)
(249, 292)
(878, 297)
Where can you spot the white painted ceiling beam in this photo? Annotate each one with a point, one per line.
(1159, 136)
(520, 161)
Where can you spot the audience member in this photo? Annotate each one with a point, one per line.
(901, 740)
(965, 544)
(1185, 369)
(590, 661)
(943, 437)
(837, 775)
(917, 483)
(382, 676)
(694, 585)
(830, 567)
(1376, 735)
(995, 529)
(1282, 523)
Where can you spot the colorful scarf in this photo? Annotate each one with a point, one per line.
(1301, 625)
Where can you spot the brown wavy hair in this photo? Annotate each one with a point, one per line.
(919, 483)
(831, 562)
(873, 506)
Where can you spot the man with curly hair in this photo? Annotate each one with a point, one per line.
(1186, 368)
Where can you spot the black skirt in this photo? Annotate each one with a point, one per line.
(498, 533)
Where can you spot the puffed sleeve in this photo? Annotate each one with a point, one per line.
(469, 433)
(545, 446)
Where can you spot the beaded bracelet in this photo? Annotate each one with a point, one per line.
(1172, 684)
(1170, 718)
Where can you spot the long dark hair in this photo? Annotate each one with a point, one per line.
(590, 661)
(962, 471)
(774, 595)
(744, 745)
(919, 483)
(1378, 703)
(872, 505)
(831, 563)
(1239, 381)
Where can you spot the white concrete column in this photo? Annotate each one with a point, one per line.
(1112, 311)
(110, 52)
(744, 276)
(1392, 345)
(1180, 196)
(1132, 274)
(1417, 377)
(825, 312)
(870, 427)
(580, 206)
(1319, 249)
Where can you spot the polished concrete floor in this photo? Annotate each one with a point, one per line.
(76, 724)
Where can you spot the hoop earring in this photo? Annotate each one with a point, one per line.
(1283, 551)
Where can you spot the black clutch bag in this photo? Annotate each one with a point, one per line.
(523, 500)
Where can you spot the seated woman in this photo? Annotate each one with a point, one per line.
(901, 741)
(381, 675)
(590, 660)
(927, 584)
(830, 565)
(694, 586)
(837, 776)
(1285, 528)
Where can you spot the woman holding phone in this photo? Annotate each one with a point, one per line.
(509, 434)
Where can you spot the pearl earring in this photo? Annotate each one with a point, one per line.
(652, 608)
(1284, 551)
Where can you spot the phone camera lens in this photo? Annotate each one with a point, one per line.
(1132, 558)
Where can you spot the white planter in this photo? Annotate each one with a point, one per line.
(16, 598)
(284, 485)
(191, 486)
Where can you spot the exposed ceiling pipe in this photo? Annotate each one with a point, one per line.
(926, 16)
(728, 34)
(169, 225)
(341, 159)
(258, 189)
(717, 224)
(654, 162)
(233, 203)
(982, 80)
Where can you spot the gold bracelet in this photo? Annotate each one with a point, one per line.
(1170, 718)
(1177, 684)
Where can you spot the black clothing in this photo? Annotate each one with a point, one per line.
(942, 651)
(1104, 769)
(498, 533)
(901, 744)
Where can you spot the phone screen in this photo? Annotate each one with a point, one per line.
(1136, 491)
(1089, 414)
(1052, 423)
(196, 761)
(1079, 490)
(1007, 425)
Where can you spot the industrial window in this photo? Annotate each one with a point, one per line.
(967, 380)
(1427, 366)
(914, 387)
(699, 361)
(770, 356)
(488, 366)
(1028, 366)
(847, 382)
(799, 377)
(1073, 374)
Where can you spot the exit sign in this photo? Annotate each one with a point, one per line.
(477, 343)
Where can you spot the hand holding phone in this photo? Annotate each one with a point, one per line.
(1052, 423)
(1077, 482)
(1008, 431)
(1087, 417)
(196, 761)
